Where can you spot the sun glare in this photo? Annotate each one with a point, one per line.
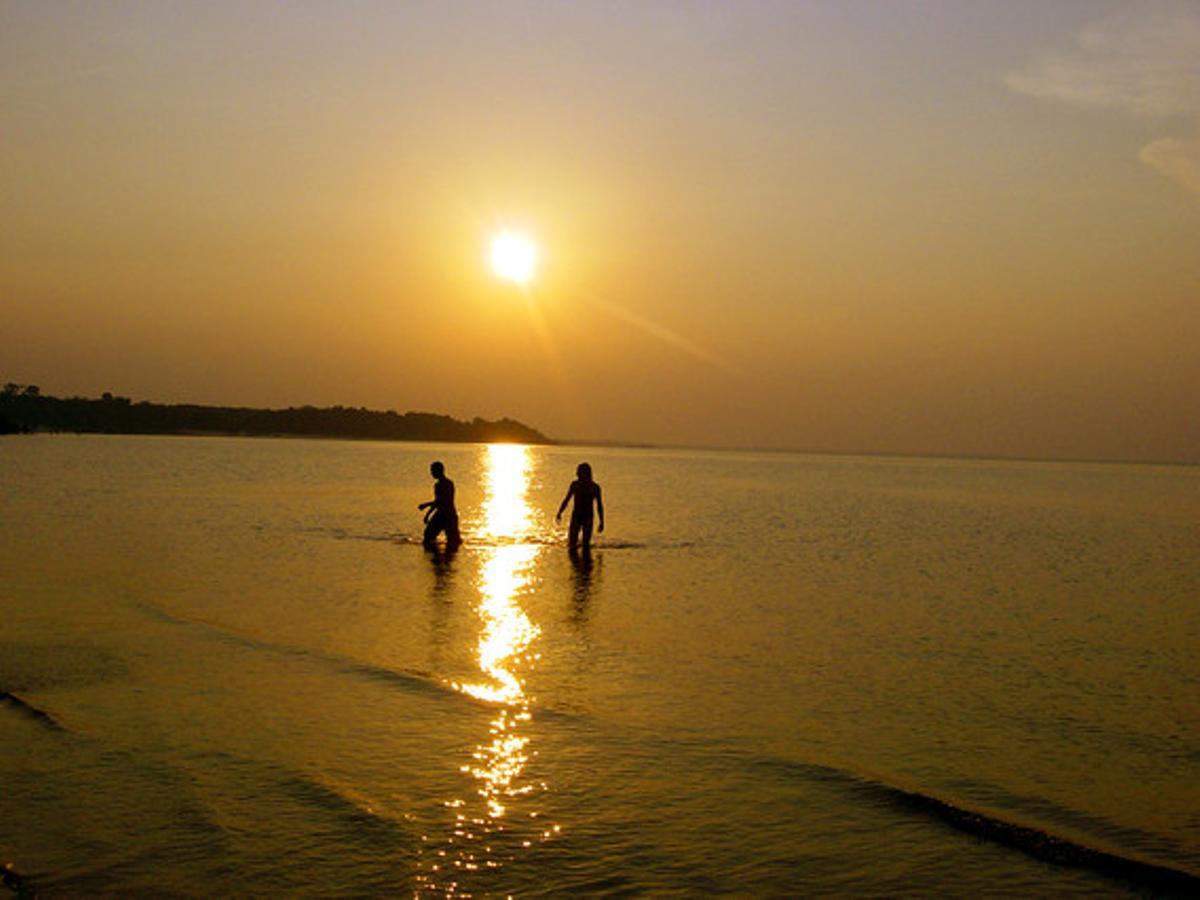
(514, 257)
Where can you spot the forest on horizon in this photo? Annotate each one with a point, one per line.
(24, 409)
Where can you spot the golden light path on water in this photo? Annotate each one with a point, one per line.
(505, 652)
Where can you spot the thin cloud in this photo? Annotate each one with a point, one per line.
(1179, 160)
(1144, 63)
(1147, 65)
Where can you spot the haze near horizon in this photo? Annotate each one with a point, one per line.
(912, 227)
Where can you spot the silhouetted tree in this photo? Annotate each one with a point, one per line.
(24, 408)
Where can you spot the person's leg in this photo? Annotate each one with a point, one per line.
(587, 533)
(453, 537)
(432, 527)
(573, 533)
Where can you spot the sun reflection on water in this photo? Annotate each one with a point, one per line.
(506, 513)
(505, 651)
(507, 632)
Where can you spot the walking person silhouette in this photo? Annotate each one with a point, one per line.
(440, 512)
(585, 492)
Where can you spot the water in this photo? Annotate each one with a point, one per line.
(229, 667)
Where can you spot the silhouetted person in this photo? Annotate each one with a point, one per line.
(586, 492)
(440, 513)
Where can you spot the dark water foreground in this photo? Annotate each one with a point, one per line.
(227, 667)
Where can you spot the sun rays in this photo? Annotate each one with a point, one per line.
(513, 256)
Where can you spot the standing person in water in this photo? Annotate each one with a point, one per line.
(440, 513)
(586, 492)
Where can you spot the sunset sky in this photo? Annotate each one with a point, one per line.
(917, 227)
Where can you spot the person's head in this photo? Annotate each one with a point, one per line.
(583, 472)
(437, 470)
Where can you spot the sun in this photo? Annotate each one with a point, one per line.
(514, 257)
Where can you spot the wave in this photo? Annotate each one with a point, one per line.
(469, 542)
(1033, 841)
(366, 823)
(1046, 846)
(406, 539)
(412, 680)
(30, 711)
(341, 534)
(338, 804)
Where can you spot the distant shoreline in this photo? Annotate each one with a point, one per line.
(872, 454)
(24, 409)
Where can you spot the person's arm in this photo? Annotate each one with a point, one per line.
(600, 507)
(434, 503)
(566, 500)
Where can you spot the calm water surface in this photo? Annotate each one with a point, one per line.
(227, 666)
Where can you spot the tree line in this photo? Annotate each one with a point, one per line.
(24, 408)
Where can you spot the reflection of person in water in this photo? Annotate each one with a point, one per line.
(441, 604)
(585, 580)
(440, 513)
(586, 492)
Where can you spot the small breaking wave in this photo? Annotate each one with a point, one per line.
(1036, 842)
(343, 534)
(30, 711)
(406, 539)
(343, 807)
(412, 680)
(1044, 845)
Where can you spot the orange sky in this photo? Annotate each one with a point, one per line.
(919, 227)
